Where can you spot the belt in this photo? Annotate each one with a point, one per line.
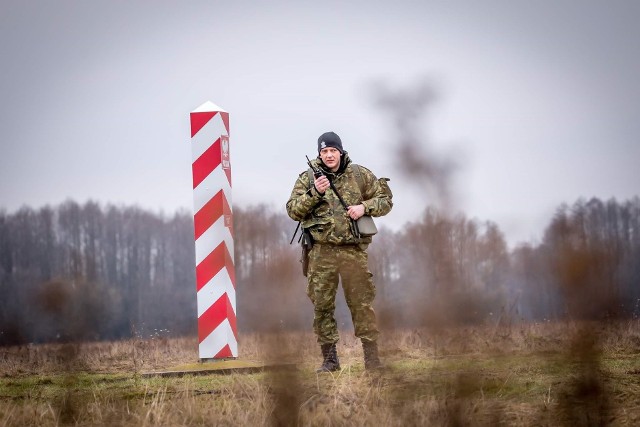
(338, 245)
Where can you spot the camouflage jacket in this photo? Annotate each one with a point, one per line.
(324, 215)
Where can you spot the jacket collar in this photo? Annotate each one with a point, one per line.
(345, 161)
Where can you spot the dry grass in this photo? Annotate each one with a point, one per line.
(536, 374)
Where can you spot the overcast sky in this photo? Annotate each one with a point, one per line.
(539, 100)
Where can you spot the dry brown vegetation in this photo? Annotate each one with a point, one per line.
(534, 374)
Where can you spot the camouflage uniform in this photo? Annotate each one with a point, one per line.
(336, 251)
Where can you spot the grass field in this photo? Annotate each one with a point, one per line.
(533, 374)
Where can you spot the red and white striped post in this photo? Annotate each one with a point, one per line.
(213, 224)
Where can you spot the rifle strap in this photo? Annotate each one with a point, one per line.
(354, 225)
(356, 171)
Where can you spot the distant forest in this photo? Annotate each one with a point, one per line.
(92, 272)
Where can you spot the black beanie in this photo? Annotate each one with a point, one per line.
(330, 139)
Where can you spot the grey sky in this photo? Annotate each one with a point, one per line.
(540, 99)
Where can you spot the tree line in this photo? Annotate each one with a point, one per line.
(91, 272)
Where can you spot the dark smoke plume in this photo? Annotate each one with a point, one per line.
(415, 157)
(583, 270)
(419, 163)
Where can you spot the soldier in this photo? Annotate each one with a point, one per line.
(338, 252)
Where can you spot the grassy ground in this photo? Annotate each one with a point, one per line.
(540, 374)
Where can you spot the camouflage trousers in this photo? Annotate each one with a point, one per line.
(328, 263)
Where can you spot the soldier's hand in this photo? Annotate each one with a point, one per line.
(321, 183)
(356, 211)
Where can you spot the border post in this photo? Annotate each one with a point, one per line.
(213, 229)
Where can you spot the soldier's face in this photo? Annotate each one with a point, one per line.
(331, 157)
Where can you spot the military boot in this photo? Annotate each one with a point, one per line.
(371, 359)
(330, 361)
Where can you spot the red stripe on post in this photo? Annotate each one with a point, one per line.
(198, 120)
(231, 315)
(225, 120)
(231, 269)
(206, 163)
(227, 171)
(228, 216)
(224, 353)
(214, 316)
(209, 213)
(211, 265)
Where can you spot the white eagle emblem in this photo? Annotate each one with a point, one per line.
(225, 146)
(323, 145)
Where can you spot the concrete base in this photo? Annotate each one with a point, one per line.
(219, 367)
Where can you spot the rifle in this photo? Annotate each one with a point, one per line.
(295, 232)
(306, 242)
(353, 225)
